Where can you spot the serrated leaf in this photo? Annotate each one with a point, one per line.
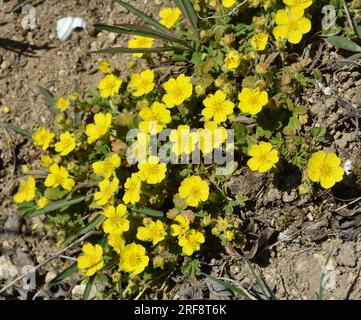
(65, 273)
(179, 204)
(344, 43)
(23, 132)
(191, 267)
(55, 193)
(89, 227)
(147, 211)
(55, 206)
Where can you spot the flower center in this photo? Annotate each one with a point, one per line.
(292, 24)
(325, 170)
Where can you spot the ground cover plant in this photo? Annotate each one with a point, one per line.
(132, 163)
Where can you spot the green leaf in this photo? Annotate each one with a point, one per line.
(49, 97)
(55, 193)
(187, 9)
(344, 43)
(346, 61)
(145, 17)
(147, 211)
(135, 50)
(17, 130)
(26, 207)
(89, 227)
(65, 273)
(179, 204)
(55, 206)
(318, 133)
(191, 267)
(88, 287)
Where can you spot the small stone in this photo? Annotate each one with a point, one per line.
(78, 291)
(7, 270)
(347, 255)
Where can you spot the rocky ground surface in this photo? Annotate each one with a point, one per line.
(297, 235)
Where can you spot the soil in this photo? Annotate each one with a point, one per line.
(309, 228)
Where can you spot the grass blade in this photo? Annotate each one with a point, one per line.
(323, 280)
(89, 227)
(65, 273)
(344, 43)
(231, 287)
(348, 60)
(23, 132)
(55, 206)
(187, 9)
(136, 50)
(147, 211)
(145, 17)
(49, 97)
(88, 287)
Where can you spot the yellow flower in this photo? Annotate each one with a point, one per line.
(59, 176)
(132, 189)
(228, 3)
(291, 25)
(155, 118)
(109, 86)
(99, 128)
(62, 104)
(182, 226)
(217, 107)
(46, 160)
(263, 157)
(191, 241)
(107, 167)
(252, 101)
(133, 259)
(152, 232)
(184, 141)
(232, 60)
(92, 260)
(177, 91)
(169, 17)
(140, 42)
(104, 66)
(229, 235)
(142, 83)
(151, 170)
(42, 202)
(325, 168)
(194, 190)
(259, 41)
(43, 137)
(117, 242)
(66, 144)
(298, 3)
(211, 136)
(116, 222)
(26, 190)
(107, 190)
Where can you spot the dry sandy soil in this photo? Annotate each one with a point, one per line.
(321, 228)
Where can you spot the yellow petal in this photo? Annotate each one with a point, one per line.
(281, 17)
(304, 25)
(294, 36)
(280, 32)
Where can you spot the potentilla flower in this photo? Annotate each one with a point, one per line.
(194, 190)
(99, 128)
(155, 118)
(117, 242)
(259, 41)
(116, 222)
(153, 231)
(104, 66)
(42, 202)
(264, 157)
(252, 100)
(151, 171)
(177, 91)
(107, 190)
(232, 60)
(106, 168)
(191, 241)
(45, 160)
(43, 137)
(109, 86)
(217, 107)
(62, 104)
(59, 176)
(181, 227)
(132, 189)
(133, 259)
(228, 3)
(169, 16)
(211, 137)
(143, 83)
(66, 144)
(298, 3)
(325, 168)
(184, 141)
(26, 190)
(92, 260)
(140, 42)
(291, 25)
